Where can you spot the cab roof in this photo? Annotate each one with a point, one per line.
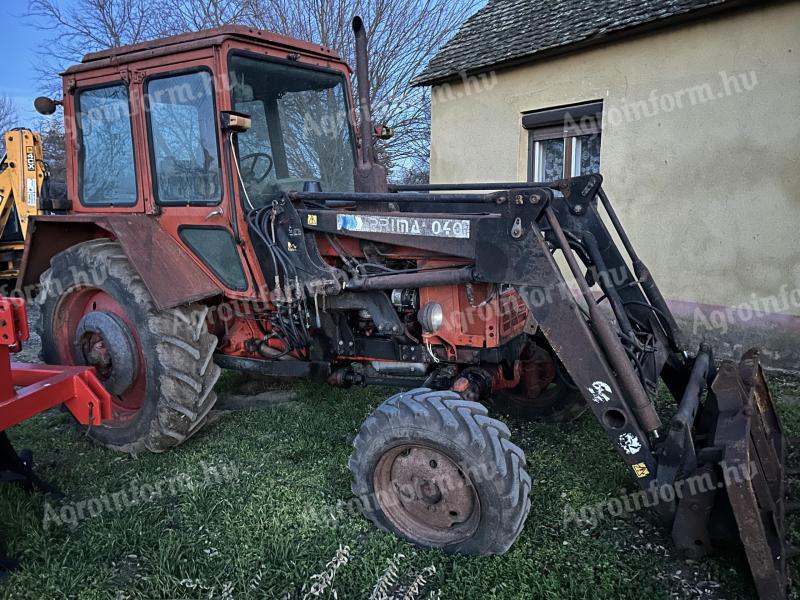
(196, 40)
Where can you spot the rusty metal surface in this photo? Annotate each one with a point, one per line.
(47, 236)
(426, 495)
(171, 276)
(750, 433)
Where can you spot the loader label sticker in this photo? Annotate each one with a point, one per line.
(641, 470)
(30, 161)
(600, 391)
(424, 226)
(312, 219)
(629, 443)
(30, 192)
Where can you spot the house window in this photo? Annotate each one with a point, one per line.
(563, 142)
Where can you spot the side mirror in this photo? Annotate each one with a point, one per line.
(46, 106)
(384, 132)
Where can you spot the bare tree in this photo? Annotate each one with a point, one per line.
(194, 15)
(8, 119)
(52, 132)
(88, 25)
(84, 26)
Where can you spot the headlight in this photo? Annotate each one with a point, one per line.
(431, 317)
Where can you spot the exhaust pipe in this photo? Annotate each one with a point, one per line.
(368, 174)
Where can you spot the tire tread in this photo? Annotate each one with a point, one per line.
(185, 350)
(469, 426)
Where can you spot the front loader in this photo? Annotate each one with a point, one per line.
(223, 213)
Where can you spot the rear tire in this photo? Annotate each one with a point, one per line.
(436, 470)
(160, 398)
(559, 404)
(550, 396)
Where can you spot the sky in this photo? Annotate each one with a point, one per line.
(22, 43)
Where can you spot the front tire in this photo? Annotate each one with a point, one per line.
(436, 470)
(158, 364)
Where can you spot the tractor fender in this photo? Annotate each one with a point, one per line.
(169, 273)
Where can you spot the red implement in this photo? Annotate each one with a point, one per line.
(27, 390)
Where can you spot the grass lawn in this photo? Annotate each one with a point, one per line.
(274, 515)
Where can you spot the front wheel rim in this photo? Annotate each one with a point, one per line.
(425, 495)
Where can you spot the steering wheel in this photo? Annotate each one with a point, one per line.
(249, 169)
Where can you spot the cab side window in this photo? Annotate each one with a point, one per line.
(106, 172)
(183, 138)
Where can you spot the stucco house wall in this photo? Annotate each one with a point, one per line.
(699, 150)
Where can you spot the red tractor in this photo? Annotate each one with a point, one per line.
(223, 210)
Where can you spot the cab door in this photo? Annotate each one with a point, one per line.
(189, 186)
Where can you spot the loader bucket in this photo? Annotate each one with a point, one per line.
(739, 429)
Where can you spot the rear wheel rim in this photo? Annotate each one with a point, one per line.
(426, 496)
(92, 328)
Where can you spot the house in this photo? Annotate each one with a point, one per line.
(691, 111)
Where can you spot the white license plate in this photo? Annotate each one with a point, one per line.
(426, 226)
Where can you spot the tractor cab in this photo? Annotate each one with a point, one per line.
(147, 133)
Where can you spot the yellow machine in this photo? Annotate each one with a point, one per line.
(22, 175)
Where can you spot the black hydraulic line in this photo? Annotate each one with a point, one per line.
(641, 405)
(356, 197)
(645, 305)
(418, 279)
(440, 187)
(687, 409)
(590, 243)
(642, 273)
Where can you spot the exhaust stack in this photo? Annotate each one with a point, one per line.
(369, 175)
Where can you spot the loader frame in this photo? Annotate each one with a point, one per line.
(717, 473)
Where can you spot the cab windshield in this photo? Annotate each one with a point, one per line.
(300, 128)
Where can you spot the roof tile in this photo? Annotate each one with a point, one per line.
(506, 30)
